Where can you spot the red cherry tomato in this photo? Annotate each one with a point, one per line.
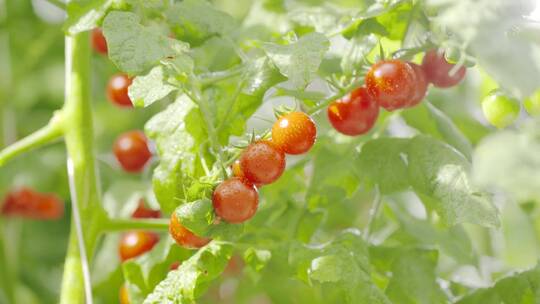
(391, 83)
(184, 237)
(294, 133)
(235, 200)
(134, 243)
(117, 90)
(98, 41)
(28, 203)
(438, 70)
(123, 295)
(355, 114)
(131, 151)
(262, 163)
(143, 212)
(420, 85)
(174, 266)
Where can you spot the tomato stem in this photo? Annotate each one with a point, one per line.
(136, 224)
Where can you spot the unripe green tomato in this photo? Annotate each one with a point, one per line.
(452, 54)
(500, 110)
(532, 104)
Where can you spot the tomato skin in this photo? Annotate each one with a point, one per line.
(355, 114)
(391, 83)
(294, 133)
(437, 70)
(131, 151)
(500, 110)
(134, 243)
(117, 90)
(420, 85)
(262, 163)
(27, 203)
(143, 212)
(184, 237)
(99, 43)
(235, 200)
(123, 295)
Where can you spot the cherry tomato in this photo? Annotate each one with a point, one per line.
(175, 265)
(391, 83)
(117, 90)
(184, 237)
(500, 110)
(124, 296)
(134, 243)
(532, 104)
(28, 203)
(131, 151)
(438, 70)
(420, 85)
(294, 133)
(235, 200)
(143, 212)
(98, 41)
(262, 163)
(355, 114)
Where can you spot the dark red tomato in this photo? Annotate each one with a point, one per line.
(355, 114)
(28, 203)
(124, 297)
(420, 85)
(262, 163)
(391, 83)
(294, 133)
(117, 90)
(235, 200)
(438, 70)
(131, 151)
(98, 41)
(143, 212)
(184, 237)
(175, 265)
(134, 243)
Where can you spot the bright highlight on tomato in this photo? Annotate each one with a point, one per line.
(117, 90)
(262, 163)
(294, 133)
(184, 237)
(134, 243)
(235, 200)
(98, 41)
(131, 151)
(440, 72)
(391, 83)
(355, 114)
(500, 110)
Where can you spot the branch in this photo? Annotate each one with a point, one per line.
(133, 224)
(49, 133)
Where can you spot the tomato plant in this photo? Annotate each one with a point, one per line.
(269, 151)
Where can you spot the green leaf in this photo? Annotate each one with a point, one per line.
(520, 288)
(84, 18)
(195, 20)
(135, 48)
(300, 60)
(413, 278)
(355, 52)
(382, 161)
(196, 216)
(439, 175)
(145, 90)
(194, 276)
(257, 258)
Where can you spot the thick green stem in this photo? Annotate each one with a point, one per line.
(132, 224)
(78, 133)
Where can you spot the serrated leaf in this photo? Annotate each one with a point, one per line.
(133, 47)
(147, 89)
(193, 277)
(300, 60)
(355, 52)
(440, 176)
(84, 18)
(382, 161)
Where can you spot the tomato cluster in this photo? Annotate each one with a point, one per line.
(134, 243)
(391, 84)
(235, 200)
(27, 203)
